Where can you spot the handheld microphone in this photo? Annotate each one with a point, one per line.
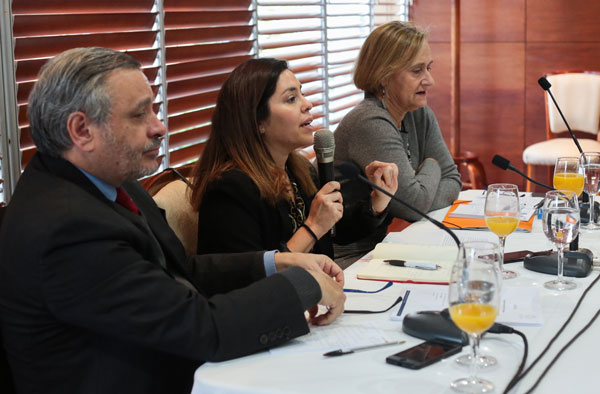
(350, 171)
(545, 84)
(504, 164)
(324, 150)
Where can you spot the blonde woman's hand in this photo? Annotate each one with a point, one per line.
(384, 175)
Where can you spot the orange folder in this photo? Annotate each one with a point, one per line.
(471, 223)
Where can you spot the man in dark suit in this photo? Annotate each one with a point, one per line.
(96, 294)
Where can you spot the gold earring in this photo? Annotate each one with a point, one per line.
(261, 129)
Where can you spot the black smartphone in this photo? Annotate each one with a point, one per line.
(423, 354)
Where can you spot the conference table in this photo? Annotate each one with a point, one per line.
(300, 367)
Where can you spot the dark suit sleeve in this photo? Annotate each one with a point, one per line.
(96, 279)
(220, 273)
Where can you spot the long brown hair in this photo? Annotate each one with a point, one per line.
(235, 140)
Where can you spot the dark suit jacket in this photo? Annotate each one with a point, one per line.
(87, 306)
(234, 218)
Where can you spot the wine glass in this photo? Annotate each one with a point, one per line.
(491, 253)
(474, 298)
(590, 162)
(568, 175)
(502, 216)
(560, 220)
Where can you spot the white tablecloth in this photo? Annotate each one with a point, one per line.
(367, 372)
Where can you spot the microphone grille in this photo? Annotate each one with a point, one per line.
(324, 139)
(544, 83)
(501, 162)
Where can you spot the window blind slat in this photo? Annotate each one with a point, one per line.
(183, 104)
(195, 136)
(190, 119)
(212, 34)
(181, 156)
(206, 18)
(288, 29)
(203, 68)
(42, 25)
(195, 85)
(28, 48)
(62, 6)
(191, 5)
(207, 51)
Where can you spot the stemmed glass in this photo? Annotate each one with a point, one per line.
(502, 216)
(568, 175)
(491, 253)
(474, 298)
(590, 163)
(560, 220)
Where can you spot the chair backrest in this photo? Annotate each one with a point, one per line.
(578, 95)
(6, 380)
(156, 182)
(181, 216)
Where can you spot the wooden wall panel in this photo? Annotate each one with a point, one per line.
(492, 104)
(507, 43)
(439, 96)
(496, 20)
(435, 16)
(562, 20)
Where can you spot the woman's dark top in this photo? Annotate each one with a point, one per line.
(234, 218)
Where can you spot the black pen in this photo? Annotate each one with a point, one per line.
(413, 264)
(341, 352)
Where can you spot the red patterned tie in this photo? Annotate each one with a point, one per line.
(126, 201)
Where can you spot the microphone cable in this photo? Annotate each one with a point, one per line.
(499, 328)
(516, 379)
(584, 329)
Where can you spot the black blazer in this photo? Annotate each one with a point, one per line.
(234, 218)
(88, 305)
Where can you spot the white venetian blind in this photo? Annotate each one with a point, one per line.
(349, 22)
(321, 40)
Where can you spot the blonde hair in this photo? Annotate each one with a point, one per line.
(388, 48)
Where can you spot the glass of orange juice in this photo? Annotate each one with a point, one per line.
(474, 299)
(502, 216)
(568, 175)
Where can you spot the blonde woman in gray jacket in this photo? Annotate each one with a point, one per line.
(393, 124)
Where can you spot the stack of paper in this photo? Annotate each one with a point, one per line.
(471, 217)
(475, 208)
(518, 305)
